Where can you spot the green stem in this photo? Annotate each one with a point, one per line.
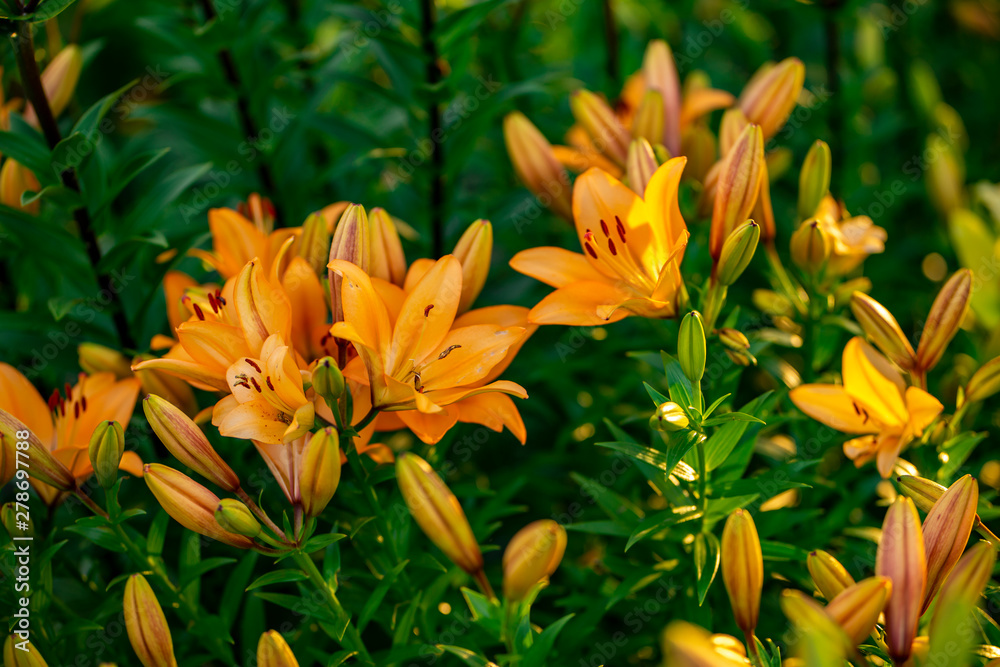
(352, 638)
(715, 299)
(261, 514)
(366, 420)
(702, 476)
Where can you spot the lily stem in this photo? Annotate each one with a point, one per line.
(260, 514)
(352, 638)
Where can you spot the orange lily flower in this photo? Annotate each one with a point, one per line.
(632, 252)
(854, 237)
(66, 421)
(873, 403)
(237, 240)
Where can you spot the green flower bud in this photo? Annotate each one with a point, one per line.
(328, 381)
(669, 417)
(814, 179)
(107, 446)
(235, 517)
(737, 251)
(691, 346)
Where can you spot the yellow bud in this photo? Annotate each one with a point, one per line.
(59, 81)
(814, 179)
(8, 517)
(763, 212)
(19, 652)
(737, 251)
(882, 329)
(857, 608)
(733, 339)
(641, 165)
(648, 121)
(820, 632)
(474, 250)
(686, 645)
(733, 123)
(15, 180)
(659, 73)
(601, 124)
(531, 557)
(107, 446)
(691, 351)
(327, 380)
(946, 530)
(438, 512)
(900, 557)
(923, 492)
(44, 466)
(699, 148)
(961, 591)
(388, 261)
(830, 577)
(96, 358)
(320, 474)
(186, 441)
(351, 243)
(314, 243)
(669, 418)
(536, 164)
(984, 382)
(235, 517)
(843, 292)
(951, 126)
(811, 246)
(945, 175)
(947, 313)
(273, 651)
(771, 302)
(771, 94)
(147, 627)
(739, 179)
(742, 568)
(189, 503)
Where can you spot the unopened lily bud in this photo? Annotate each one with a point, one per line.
(923, 492)
(641, 165)
(691, 346)
(811, 246)
(536, 164)
(946, 529)
(700, 149)
(771, 302)
(473, 251)
(314, 244)
(327, 380)
(740, 174)
(659, 73)
(830, 577)
(107, 446)
(742, 568)
(8, 517)
(814, 179)
(189, 503)
(733, 339)
(320, 474)
(147, 627)
(438, 512)
(669, 418)
(741, 357)
(945, 175)
(962, 590)
(687, 645)
(156, 381)
(843, 292)
(388, 261)
(532, 555)
(186, 441)
(44, 466)
(737, 251)
(769, 97)
(273, 651)
(984, 382)
(946, 315)
(648, 121)
(235, 517)
(882, 329)
(733, 123)
(810, 617)
(857, 608)
(763, 211)
(19, 652)
(600, 122)
(15, 180)
(96, 358)
(59, 81)
(351, 243)
(900, 557)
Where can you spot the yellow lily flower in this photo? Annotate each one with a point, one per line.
(873, 403)
(632, 252)
(853, 237)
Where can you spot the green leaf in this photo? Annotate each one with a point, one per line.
(707, 553)
(721, 443)
(277, 577)
(47, 10)
(103, 537)
(731, 417)
(722, 507)
(404, 624)
(59, 195)
(26, 145)
(465, 655)
(460, 25)
(157, 534)
(617, 507)
(322, 542)
(481, 606)
(681, 390)
(91, 118)
(661, 520)
(537, 655)
(376, 597)
(958, 450)
(782, 551)
(236, 585)
(599, 528)
(195, 572)
(715, 404)
(657, 397)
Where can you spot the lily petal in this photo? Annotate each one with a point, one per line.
(556, 267)
(578, 304)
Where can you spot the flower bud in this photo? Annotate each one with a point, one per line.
(351, 243)
(699, 148)
(189, 503)
(946, 529)
(536, 164)
(669, 418)
(811, 246)
(314, 244)
(44, 466)
(691, 351)
(763, 212)
(15, 180)
(273, 651)
(820, 632)
(327, 380)
(648, 121)
(107, 446)
(175, 390)
(900, 557)
(962, 590)
(882, 329)
(388, 261)
(731, 127)
(742, 568)
(737, 252)
(147, 627)
(659, 73)
(601, 124)
(740, 174)
(945, 175)
(474, 250)
(771, 94)
(262, 308)
(320, 474)
(641, 165)
(946, 315)
(438, 512)
(15, 656)
(923, 492)
(532, 555)
(186, 441)
(687, 645)
(96, 358)
(8, 517)
(857, 608)
(830, 577)
(984, 382)
(814, 179)
(235, 517)
(59, 81)
(771, 302)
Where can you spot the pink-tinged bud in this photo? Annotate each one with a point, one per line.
(732, 126)
(763, 212)
(536, 164)
(811, 246)
(900, 557)
(946, 529)
(882, 329)
(320, 474)
(641, 165)
(273, 651)
(15, 180)
(659, 73)
(739, 185)
(946, 316)
(351, 243)
(388, 261)
(147, 627)
(531, 557)
(648, 121)
(96, 358)
(743, 568)
(830, 577)
(15, 437)
(19, 652)
(857, 608)
(189, 503)
(59, 81)
(314, 243)
(769, 97)
(186, 441)
(687, 645)
(474, 251)
(814, 179)
(438, 512)
(984, 382)
(601, 124)
(961, 592)
(923, 492)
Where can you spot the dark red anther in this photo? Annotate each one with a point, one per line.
(621, 228)
(54, 399)
(255, 384)
(83, 403)
(76, 410)
(213, 303)
(604, 228)
(252, 364)
(69, 390)
(612, 248)
(427, 310)
(197, 311)
(269, 385)
(590, 250)
(219, 298)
